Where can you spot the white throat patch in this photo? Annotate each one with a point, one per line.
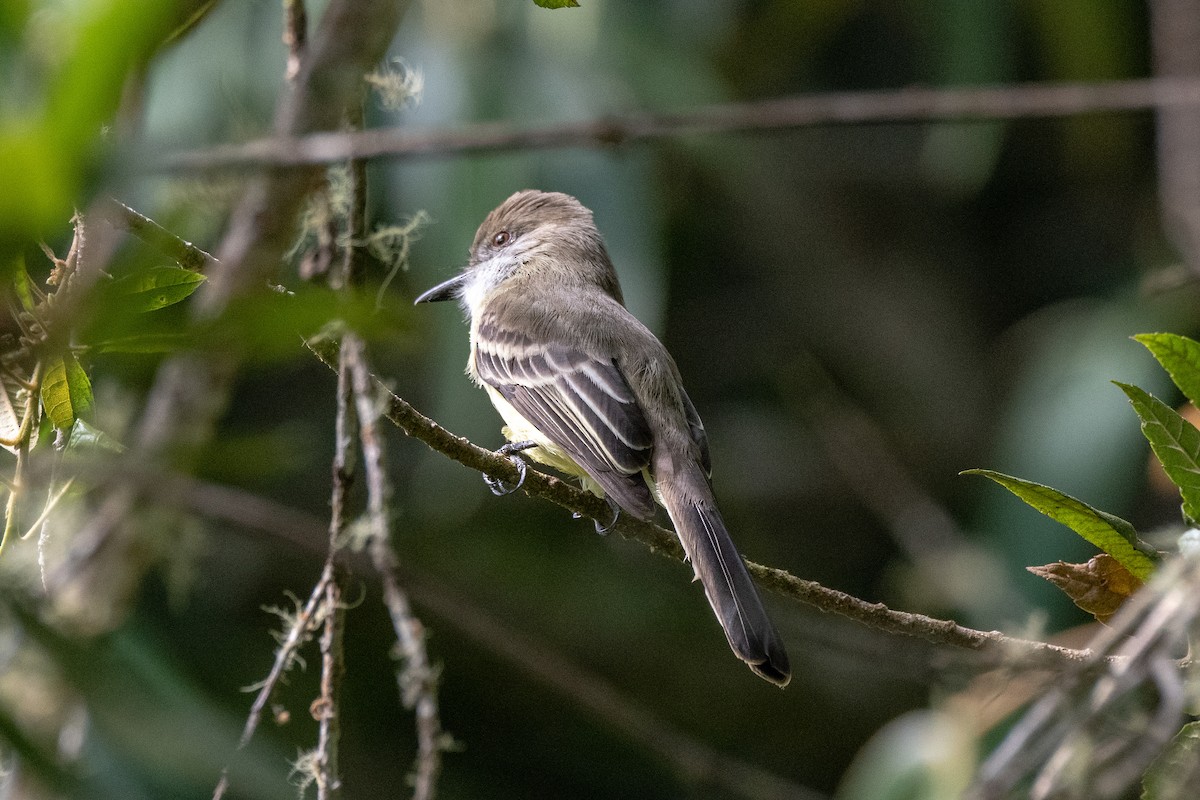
(485, 277)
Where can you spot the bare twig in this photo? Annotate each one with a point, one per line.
(1174, 28)
(990, 644)
(694, 761)
(917, 104)
(295, 35)
(186, 254)
(325, 708)
(418, 679)
(298, 633)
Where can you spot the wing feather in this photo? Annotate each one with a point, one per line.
(581, 403)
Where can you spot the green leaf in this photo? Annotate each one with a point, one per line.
(79, 385)
(1180, 357)
(556, 3)
(156, 288)
(22, 283)
(48, 152)
(1174, 774)
(66, 391)
(1175, 442)
(1110, 533)
(86, 439)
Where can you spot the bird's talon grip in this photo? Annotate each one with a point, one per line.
(511, 451)
(605, 530)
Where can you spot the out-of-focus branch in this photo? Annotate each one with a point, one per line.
(916, 104)
(350, 39)
(295, 35)
(188, 255)
(1093, 733)
(694, 761)
(190, 390)
(1175, 29)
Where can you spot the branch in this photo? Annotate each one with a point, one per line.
(916, 104)
(1003, 649)
(1105, 717)
(693, 760)
(186, 254)
(418, 680)
(1174, 26)
(299, 632)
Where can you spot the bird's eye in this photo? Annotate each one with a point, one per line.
(502, 238)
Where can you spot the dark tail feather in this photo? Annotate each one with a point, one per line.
(726, 582)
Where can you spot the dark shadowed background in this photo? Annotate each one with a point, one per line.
(859, 313)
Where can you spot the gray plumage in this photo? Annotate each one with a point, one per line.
(570, 368)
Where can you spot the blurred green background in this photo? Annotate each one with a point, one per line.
(859, 313)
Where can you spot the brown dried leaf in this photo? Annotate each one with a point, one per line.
(1099, 587)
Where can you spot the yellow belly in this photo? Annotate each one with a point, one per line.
(547, 452)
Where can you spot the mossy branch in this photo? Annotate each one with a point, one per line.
(992, 646)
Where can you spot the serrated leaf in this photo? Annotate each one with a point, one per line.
(1175, 442)
(1180, 357)
(66, 391)
(156, 288)
(556, 3)
(1099, 587)
(1106, 531)
(1175, 773)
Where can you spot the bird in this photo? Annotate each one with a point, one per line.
(585, 388)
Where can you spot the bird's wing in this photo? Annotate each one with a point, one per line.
(581, 403)
(696, 431)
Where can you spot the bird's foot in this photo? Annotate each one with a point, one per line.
(605, 530)
(511, 451)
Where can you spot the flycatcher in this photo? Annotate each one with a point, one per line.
(574, 373)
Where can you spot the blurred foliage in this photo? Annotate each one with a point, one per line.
(968, 288)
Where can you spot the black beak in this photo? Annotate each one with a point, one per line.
(446, 290)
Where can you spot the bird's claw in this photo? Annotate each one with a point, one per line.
(511, 451)
(605, 530)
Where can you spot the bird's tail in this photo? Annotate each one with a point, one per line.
(723, 574)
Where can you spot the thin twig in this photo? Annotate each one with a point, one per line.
(186, 254)
(1004, 649)
(1090, 713)
(325, 708)
(299, 632)
(418, 679)
(323, 607)
(915, 104)
(693, 760)
(295, 35)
